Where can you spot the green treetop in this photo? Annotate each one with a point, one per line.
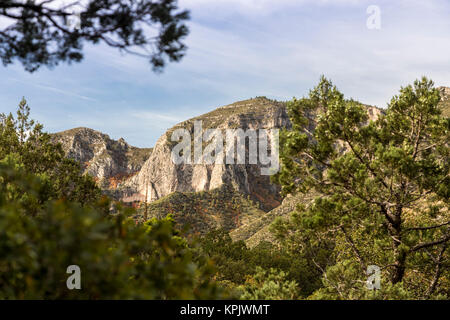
(383, 189)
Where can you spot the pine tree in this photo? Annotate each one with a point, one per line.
(383, 187)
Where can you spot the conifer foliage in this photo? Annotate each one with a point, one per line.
(384, 190)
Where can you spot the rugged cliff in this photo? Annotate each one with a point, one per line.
(160, 176)
(107, 160)
(445, 102)
(234, 196)
(131, 174)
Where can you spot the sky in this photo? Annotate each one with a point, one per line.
(239, 49)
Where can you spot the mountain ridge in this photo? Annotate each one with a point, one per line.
(147, 175)
(107, 160)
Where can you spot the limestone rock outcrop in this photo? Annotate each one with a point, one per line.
(102, 157)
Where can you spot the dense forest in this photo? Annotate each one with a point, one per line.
(381, 198)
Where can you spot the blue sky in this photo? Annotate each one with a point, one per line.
(240, 49)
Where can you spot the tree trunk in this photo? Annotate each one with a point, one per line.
(399, 266)
(399, 254)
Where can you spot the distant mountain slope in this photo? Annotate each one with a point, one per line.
(107, 160)
(445, 102)
(204, 211)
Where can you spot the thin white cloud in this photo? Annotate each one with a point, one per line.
(54, 89)
(154, 116)
(281, 59)
(251, 7)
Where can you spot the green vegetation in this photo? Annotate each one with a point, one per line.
(37, 32)
(239, 267)
(258, 229)
(52, 217)
(33, 149)
(383, 202)
(137, 156)
(204, 211)
(269, 285)
(361, 193)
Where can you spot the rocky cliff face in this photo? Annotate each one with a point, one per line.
(445, 92)
(445, 101)
(132, 174)
(160, 176)
(107, 160)
(195, 193)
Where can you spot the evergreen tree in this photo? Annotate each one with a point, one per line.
(34, 149)
(383, 190)
(51, 217)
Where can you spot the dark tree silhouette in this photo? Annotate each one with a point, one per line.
(46, 32)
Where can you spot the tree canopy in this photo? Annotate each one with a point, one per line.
(383, 189)
(44, 33)
(53, 217)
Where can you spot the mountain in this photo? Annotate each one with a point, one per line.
(107, 160)
(205, 196)
(445, 102)
(160, 176)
